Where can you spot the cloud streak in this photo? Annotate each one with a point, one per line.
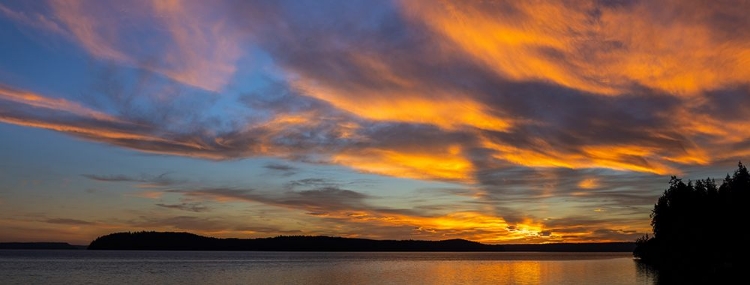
(144, 181)
(191, 207)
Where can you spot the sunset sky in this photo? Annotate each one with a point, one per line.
(493, 121)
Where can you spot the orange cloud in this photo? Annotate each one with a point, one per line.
(625, 158)
(105, 134)
(447, 165)
(469, 225)
(448, 111)
(588, 183)
(36, 100)
(592, 47)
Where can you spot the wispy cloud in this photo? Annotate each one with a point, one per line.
(192, 207)
(280, 167)
(38, 101)
(193, 45)
(33, 19)
(74, 222)
(146, 181)
(318, 201)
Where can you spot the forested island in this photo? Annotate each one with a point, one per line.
(188, 241)
(698, 226)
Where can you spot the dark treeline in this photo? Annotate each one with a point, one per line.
(188, 241)
(38, 245)
(699, 225)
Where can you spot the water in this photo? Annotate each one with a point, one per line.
(191, 267)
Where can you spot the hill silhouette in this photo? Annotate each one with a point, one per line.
(698, 226)
(188, 241)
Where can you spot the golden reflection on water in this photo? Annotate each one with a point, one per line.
(517, 272)
(604, 271)
(539, 270)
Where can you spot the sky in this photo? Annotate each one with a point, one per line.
(494, 121)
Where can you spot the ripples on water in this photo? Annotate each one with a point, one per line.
(185, 267)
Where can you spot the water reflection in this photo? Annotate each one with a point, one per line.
(608, 271)
(320, 268)
(478, 272)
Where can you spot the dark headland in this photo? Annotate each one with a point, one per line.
(698, 235)
(189, 241)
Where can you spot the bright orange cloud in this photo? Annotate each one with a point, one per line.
(447, 165)
(625, 158)
(448, 111)
(587, 46)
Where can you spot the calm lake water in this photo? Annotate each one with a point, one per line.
(191, 267)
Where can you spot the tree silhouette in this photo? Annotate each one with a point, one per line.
(699, 225)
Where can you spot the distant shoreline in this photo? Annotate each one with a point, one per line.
(40, 245)
(172, 241)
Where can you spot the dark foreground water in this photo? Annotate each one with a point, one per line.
(191, 267)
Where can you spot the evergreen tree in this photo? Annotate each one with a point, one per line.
(699, 224)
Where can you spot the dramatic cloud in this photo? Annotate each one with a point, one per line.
(537, 114)
(605, 47)
(393, 75)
